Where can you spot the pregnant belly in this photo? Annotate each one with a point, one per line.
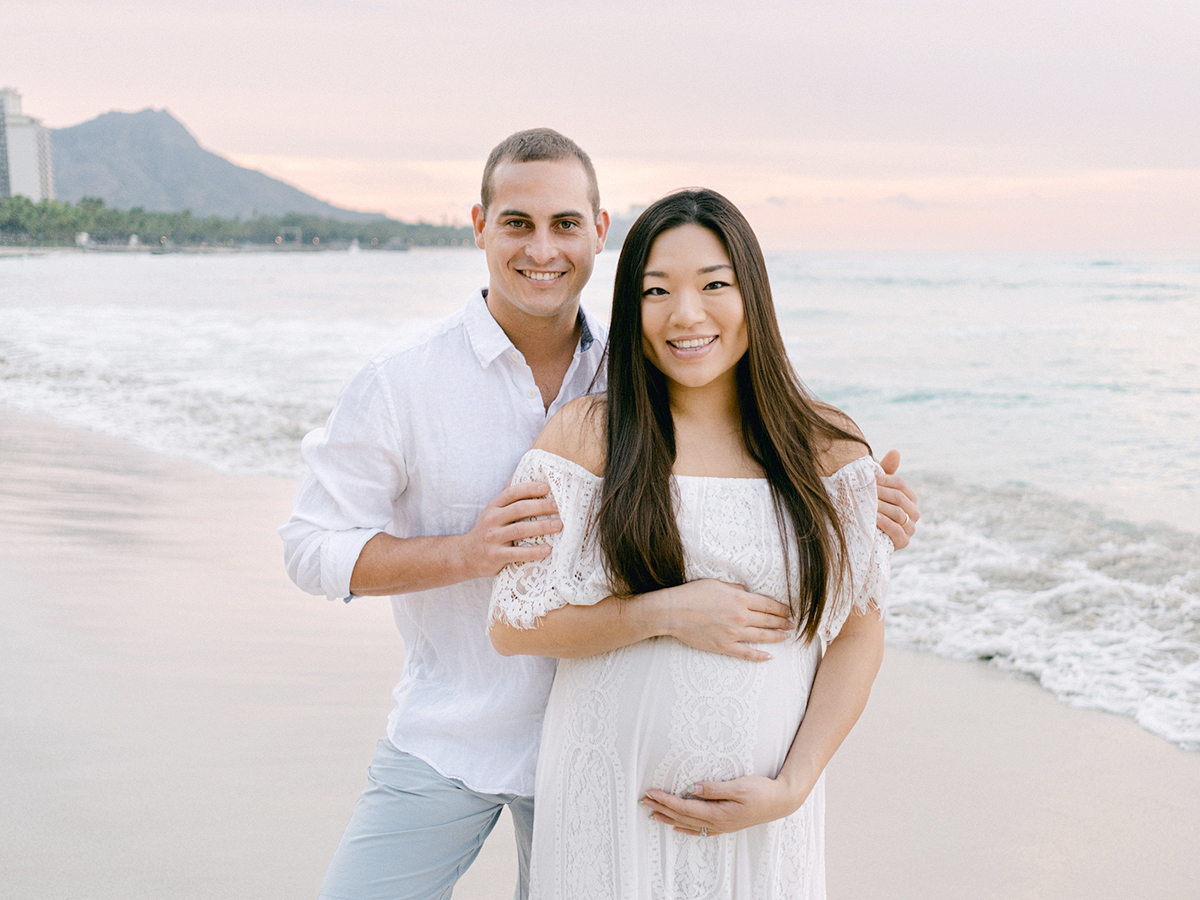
(668, 715)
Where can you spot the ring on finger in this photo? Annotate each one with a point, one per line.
(906, 520)
(704, 831)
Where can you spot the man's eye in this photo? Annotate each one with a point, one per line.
(515, 223)
(567, 226)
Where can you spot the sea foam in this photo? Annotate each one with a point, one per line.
(1103, 613)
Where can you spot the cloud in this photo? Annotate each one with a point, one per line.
(904, 202)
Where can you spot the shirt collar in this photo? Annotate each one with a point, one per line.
(488, 339)
(586, 339)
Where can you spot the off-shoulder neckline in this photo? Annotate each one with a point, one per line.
(856, 463)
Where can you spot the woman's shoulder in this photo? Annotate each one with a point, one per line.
(839, 450)
(577, 432)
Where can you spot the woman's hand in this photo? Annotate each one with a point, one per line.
(719, 807)
(838, 696)
(722, 618)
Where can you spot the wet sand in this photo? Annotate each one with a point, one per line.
(179, 721)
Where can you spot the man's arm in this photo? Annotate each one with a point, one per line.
(335, 543)
(391, 565)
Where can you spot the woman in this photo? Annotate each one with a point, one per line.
(706, 459)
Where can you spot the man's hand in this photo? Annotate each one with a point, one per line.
(392, 565)
(724, 618)
(898, 512)
(512, 516)
(719, 807)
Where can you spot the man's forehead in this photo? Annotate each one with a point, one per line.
(558, 182)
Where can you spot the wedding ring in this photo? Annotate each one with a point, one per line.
(906, 520)
(704, 831)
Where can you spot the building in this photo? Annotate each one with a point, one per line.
(25, 166)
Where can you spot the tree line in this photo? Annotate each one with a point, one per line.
(54, 223)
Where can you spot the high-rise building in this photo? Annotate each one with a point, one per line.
(25, 166)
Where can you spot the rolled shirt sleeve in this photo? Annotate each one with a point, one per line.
(356, 471)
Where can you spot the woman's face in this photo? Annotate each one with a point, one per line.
(693, 320)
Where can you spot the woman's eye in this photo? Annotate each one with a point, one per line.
(654, 292)
(716, 285)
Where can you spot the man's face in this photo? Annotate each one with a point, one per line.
(540, 237)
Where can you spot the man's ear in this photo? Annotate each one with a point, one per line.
(602, 223)
(477, 224)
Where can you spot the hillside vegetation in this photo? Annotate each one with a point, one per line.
(54, 223)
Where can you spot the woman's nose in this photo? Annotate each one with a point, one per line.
(688, 308)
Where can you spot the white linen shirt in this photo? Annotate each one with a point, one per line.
(420, 441)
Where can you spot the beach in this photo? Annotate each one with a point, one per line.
(182, 722)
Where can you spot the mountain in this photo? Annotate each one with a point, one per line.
(149, 159)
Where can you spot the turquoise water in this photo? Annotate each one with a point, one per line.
(1047, 407)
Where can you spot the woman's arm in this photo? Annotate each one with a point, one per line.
(708, 615)
(839, 694)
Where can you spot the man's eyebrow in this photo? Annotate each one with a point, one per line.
(521, 214)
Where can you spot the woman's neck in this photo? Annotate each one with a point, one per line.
(708, 431)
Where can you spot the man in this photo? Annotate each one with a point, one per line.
(406, 496)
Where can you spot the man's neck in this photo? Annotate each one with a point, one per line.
(547, 342)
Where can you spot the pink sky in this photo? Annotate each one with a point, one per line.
(1057, 124)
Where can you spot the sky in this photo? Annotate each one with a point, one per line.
(1067, 125)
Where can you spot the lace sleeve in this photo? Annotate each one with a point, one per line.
(572, 573)
(868, 550)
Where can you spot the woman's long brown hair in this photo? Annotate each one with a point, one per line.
(782, 426)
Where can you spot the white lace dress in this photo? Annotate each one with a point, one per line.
(659, 714)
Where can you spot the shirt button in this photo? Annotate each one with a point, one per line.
(514, 354)
(531, 393)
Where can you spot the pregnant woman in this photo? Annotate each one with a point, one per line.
(666, 771)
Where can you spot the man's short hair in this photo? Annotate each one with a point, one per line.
(534, 145)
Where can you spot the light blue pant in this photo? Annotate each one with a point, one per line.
(414, 832)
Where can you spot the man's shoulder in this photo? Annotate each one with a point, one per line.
(434, 338)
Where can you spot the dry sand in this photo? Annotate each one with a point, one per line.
(179, 721)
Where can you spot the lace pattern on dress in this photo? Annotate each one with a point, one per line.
(661, 714)
(573, 573)
(868, 550)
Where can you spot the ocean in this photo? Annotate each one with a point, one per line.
(1047, 408)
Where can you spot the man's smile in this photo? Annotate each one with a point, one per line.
(540, 276)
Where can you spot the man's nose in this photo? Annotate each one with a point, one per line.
(540, 246)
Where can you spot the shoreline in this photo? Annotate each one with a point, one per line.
(155, 250)
(192, 725)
